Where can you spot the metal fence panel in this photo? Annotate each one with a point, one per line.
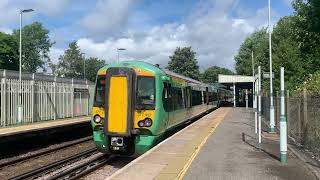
(43, 98)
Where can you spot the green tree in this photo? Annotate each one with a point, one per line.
(257, 43)
(183, 62)
(9, 54)
(92, 66)
(286, 54)
(210, 75)
(71, 63)
(36, 45)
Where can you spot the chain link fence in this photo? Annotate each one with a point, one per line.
(303, 117)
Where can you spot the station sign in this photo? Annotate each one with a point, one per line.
(266, 75)
(82, 90)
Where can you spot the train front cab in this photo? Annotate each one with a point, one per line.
(124, 112)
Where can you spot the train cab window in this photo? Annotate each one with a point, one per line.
(145, 93)
(99, 98)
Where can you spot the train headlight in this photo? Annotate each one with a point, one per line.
(141, 123)
(97, 119)
(147, 122)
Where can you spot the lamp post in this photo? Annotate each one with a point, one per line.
(84, 68)
(120, 49)
(272, 130)
(20, 64)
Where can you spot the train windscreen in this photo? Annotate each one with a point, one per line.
(145, 93)
(99, 98)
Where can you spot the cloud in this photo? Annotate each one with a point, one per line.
(55, 53)
(155, 46)
(50, 8)
(9, 10)
(210, 30)
(6, 30)
(108, 16)
(214, 34)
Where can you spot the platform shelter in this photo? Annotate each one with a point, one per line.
(242, 87)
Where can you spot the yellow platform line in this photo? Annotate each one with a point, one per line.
(196, 152)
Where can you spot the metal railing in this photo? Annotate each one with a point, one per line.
(43, 97)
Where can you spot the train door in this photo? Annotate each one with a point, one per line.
(207, 96)
(166, 100)
(120, 93)
(188, 98)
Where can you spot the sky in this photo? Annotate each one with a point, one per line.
(149, 30)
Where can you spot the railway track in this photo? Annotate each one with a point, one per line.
(73, 172)
(76, 172)
(41, 153)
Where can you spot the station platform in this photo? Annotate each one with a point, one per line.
(40, 126)
(221, 145)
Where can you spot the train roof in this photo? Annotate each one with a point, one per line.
(189, 80)
(155, 69)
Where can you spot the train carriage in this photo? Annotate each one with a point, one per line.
(135, 104)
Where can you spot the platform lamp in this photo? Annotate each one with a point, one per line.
(120, 49)
(20, 65)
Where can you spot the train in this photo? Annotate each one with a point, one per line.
(136, 103)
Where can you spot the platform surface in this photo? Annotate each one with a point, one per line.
(213, 148)
(25, 128)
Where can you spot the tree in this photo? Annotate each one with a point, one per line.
(286, 53)
(92, 66)
(35, 46)
(71, 62)
(183, 62)
(210, 75)
(9, 54)
(258, 43)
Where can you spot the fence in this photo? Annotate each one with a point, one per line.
(43, 97)
(303, 115)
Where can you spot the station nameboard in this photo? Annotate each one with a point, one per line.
(266, 75)
(83, 90)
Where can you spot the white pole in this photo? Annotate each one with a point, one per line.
(84, 68)
(256, 109)
(234, 94)
(246, 98)
(253, 83)
(20, 69)
(283, 122)
(272, 130)
(259, 104)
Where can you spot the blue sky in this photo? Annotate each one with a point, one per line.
(150, 30)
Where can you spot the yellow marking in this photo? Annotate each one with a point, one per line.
(99, 111)
(118, 104)
(196, 152)
(143, 72)
(141, 115)
(104, 72)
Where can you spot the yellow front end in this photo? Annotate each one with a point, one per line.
(118, 105)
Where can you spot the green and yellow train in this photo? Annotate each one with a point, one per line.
(136, 103)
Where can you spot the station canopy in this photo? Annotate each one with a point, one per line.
(244, 82)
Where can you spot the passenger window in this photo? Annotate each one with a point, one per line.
(166, 96)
